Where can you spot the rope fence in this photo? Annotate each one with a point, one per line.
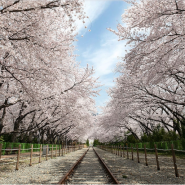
(120, 151)
(46, 152)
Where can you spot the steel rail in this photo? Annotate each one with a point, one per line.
(107, 169)
(62, 181)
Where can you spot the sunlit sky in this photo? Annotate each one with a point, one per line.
(99, 47)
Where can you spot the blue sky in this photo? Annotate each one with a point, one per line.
(99, 47)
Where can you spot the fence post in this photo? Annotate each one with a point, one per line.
(59, 150)
(174, 161)
(145, 156)
(127, 151)
(132, 154)
(156, 154)
(123, 151)
(1, 145)
(62, 149)
(46, 152)
(31, 153)
(18, 156)
(56, 151)
(40, 153)
(119, 150)
(137, 155)
(52, 152)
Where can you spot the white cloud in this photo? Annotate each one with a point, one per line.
(93, 9)
(105, 57)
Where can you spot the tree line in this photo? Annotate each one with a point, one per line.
(150, 89)
(44, 93)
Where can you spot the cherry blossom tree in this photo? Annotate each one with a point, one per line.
(43, 89)
(151, 86)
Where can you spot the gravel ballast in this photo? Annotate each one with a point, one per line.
(125, 170)
(46, 172)
(132, 172)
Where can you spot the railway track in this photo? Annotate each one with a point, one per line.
(89, 169)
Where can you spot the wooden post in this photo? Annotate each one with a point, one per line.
(156, 154)
(118, 150)
(18, 157)
(137, 155)
(127, 151)
(62, 148)
(31, 153)
(123, 150)
(174, 162)
(56, 151)
(145, 156)
(59, 149)
(46, 152)
(1, 145)
(52, 152)
(132, 154)
(40, 154)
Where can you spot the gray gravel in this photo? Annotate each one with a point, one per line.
(47, 172)
(131, 172)
(89, 171)
(51, 171)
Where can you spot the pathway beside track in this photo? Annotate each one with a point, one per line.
(47, 172)
(90, 170)
(131, 172)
